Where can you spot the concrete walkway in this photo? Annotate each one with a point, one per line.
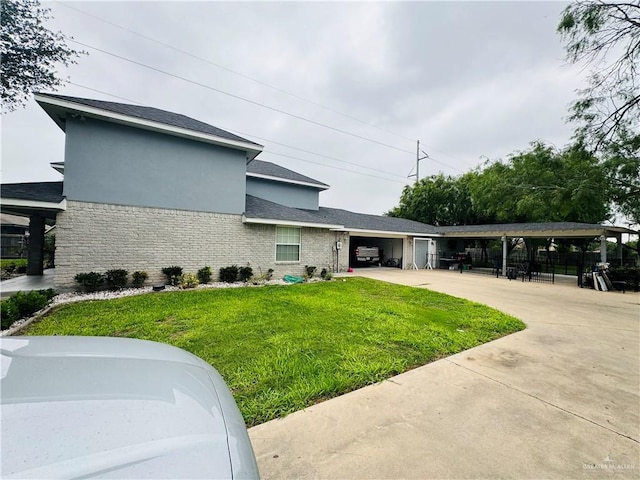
(26, 283)
(560, 399)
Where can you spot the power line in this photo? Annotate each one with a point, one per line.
(337, 168)
(226, 69)
(222, 67)
(104, 93)
(238, 132)
(278, 143)
(238, 97)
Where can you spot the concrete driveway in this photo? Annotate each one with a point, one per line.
(560, 399)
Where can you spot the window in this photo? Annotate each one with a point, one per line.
(287, 244)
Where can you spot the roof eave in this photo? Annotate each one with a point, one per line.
(54, 105)
(319, 186)
(387, 232)
(294, 223)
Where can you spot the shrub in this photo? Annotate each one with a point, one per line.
(9, 313)
(21, 269)
(310, 271)
(229, 274)
(245, 273)
(90, 282)
(116, 278)
(24, 304)
(269, 274)
(173, 274)
(16, 262)
(10, 267)
(326, 274)
(204, 275)
(139, 278)
(189, 280)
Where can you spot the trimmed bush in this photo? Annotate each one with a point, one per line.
(24, 304)
(116, 279)
(229, 274)
(173, 274)
(189, 280)
(138, 278)
(245, 274)
(90, 281)
(204, 275)
(9, 313)
(326, 274)
(310, 271)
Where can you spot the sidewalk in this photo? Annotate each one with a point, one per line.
(26, 283)
(560, 399)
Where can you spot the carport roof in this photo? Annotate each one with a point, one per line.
(36, 191)
(33, 198)
(542, 230)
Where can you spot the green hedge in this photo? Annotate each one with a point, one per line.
(23, 304)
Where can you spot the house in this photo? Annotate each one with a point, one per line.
(145, 189)
(14, 231)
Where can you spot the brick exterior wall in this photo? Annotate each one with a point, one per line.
(98, 237)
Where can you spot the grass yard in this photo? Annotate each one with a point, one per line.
(15, 262)
(283, 348)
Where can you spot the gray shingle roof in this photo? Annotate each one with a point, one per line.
(271, 169)
(154, 115)
(263, 209)
(35, 191)
(362, 221)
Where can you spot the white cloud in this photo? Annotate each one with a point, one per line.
(468, 79)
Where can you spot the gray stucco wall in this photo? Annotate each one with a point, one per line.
(99, 237)
(296, 196)
(115, 164)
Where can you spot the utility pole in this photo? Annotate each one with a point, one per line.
(418, 158)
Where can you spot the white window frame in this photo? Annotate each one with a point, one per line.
(298, 244)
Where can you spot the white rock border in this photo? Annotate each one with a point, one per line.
(73, 297)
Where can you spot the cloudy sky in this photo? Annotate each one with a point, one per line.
(336, 91)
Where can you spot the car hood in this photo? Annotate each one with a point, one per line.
(112, 408)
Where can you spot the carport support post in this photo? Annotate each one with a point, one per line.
(619, 244)
(603, 248)
(504, 255)
(35, 251)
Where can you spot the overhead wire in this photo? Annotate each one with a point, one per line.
(273, 87)
(275, 142)
(235, 72)
(237, 97)
(217, 65)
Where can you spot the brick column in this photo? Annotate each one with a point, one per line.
(35, 252)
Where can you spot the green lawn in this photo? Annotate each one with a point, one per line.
(282, 348)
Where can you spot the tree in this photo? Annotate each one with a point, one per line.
(621, 161)
(543, 184)
(436, 200)
(596, 31)
(29, 52)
